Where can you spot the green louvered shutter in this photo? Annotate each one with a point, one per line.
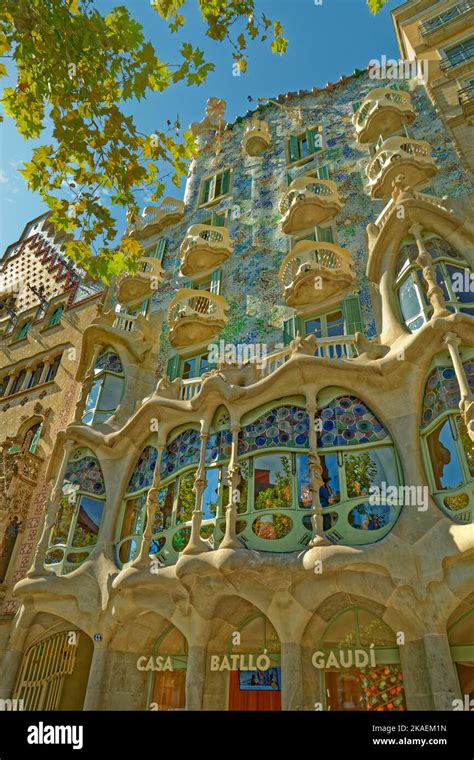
(323, 172)
(324, 234)
(352, 313)
(292, 327)
(173, 367)
(225, 182)
(313, 140)
(293, 148)
(160, 249)
(216, 281)
(218, 220)
(208, 189)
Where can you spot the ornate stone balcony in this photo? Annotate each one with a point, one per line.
(141, 285)
(308, 202)
(314, 272)
(204, 247)
(156, 218)
(382, 111)
(448, 22)
(257, 138)
(400, 155)
(195, 316)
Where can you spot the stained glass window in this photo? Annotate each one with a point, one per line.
(218, 446)
(286, 426)
(442, 391)
(181, 452)
(110, 361)
(142, 476)
(347, 421)
(83, 473)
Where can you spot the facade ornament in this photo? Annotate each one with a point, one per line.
(196, 544)
(315, 476)
(401, 191)
(230, 540)
(167, 388)
(369, 349)
(303, 346)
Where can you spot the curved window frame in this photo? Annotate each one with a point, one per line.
(413, 271)
(95, 414)
(466, 514)
(75, 496)
(139, 522)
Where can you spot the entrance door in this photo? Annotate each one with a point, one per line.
(169, 690)
(244, 697)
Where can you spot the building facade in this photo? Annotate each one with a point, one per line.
(264, 497)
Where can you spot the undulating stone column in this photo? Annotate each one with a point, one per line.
(466, 405)
(196, 544)
(230, 540)
(416, 679)
(291, 676)
(37, 569)
(143, 559)
(425, 261)
(441, 671)
(195, 675)
(315, 475)
(47, 362)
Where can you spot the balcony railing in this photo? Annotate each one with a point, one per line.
(257, 138)
(400, 155)
(383, 110)
(313, 272)
(452, 14)
(466, 100)
(308, 202)
(204, 247)
(125, 322)
(195, 316)
(457, 59)
(155, 218)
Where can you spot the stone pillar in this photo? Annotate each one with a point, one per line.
(37, 569)
(291, 676)
(47, 362)
(9, 666)
(115, 683)
(11, 380)
(195, 676)
(143, 559)
(230, 540)
(196, 544)
(466, 405)
(424, 260)
(416, 679)
(441, 671)
(29, 374)
(315, 471)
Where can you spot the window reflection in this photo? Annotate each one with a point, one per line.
(330, 491)
(186, 498)
(273, 481)
(445, 462)
(369, 468)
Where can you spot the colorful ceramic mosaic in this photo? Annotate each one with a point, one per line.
(442, 391)
(84, 474)
(181, 452)
(347, 421)
(142, 476)
(110, 362)
(286, 426)
(218, 446)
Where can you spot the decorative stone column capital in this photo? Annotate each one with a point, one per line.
(452, 339)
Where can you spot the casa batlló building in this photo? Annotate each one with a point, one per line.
(263, 497)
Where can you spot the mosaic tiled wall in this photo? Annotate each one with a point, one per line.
(250, 282)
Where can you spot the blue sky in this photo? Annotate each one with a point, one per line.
(325, 42)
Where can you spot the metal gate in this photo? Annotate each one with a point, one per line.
(44, 669)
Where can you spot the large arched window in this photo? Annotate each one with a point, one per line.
(80, 513)
(447, 449)
(452, 276)
(360, 469)
(106, 390)
(176, 497)
(168, 684)
(134, 509)
(346, 685)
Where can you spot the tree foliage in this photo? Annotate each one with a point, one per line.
(76, 70)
